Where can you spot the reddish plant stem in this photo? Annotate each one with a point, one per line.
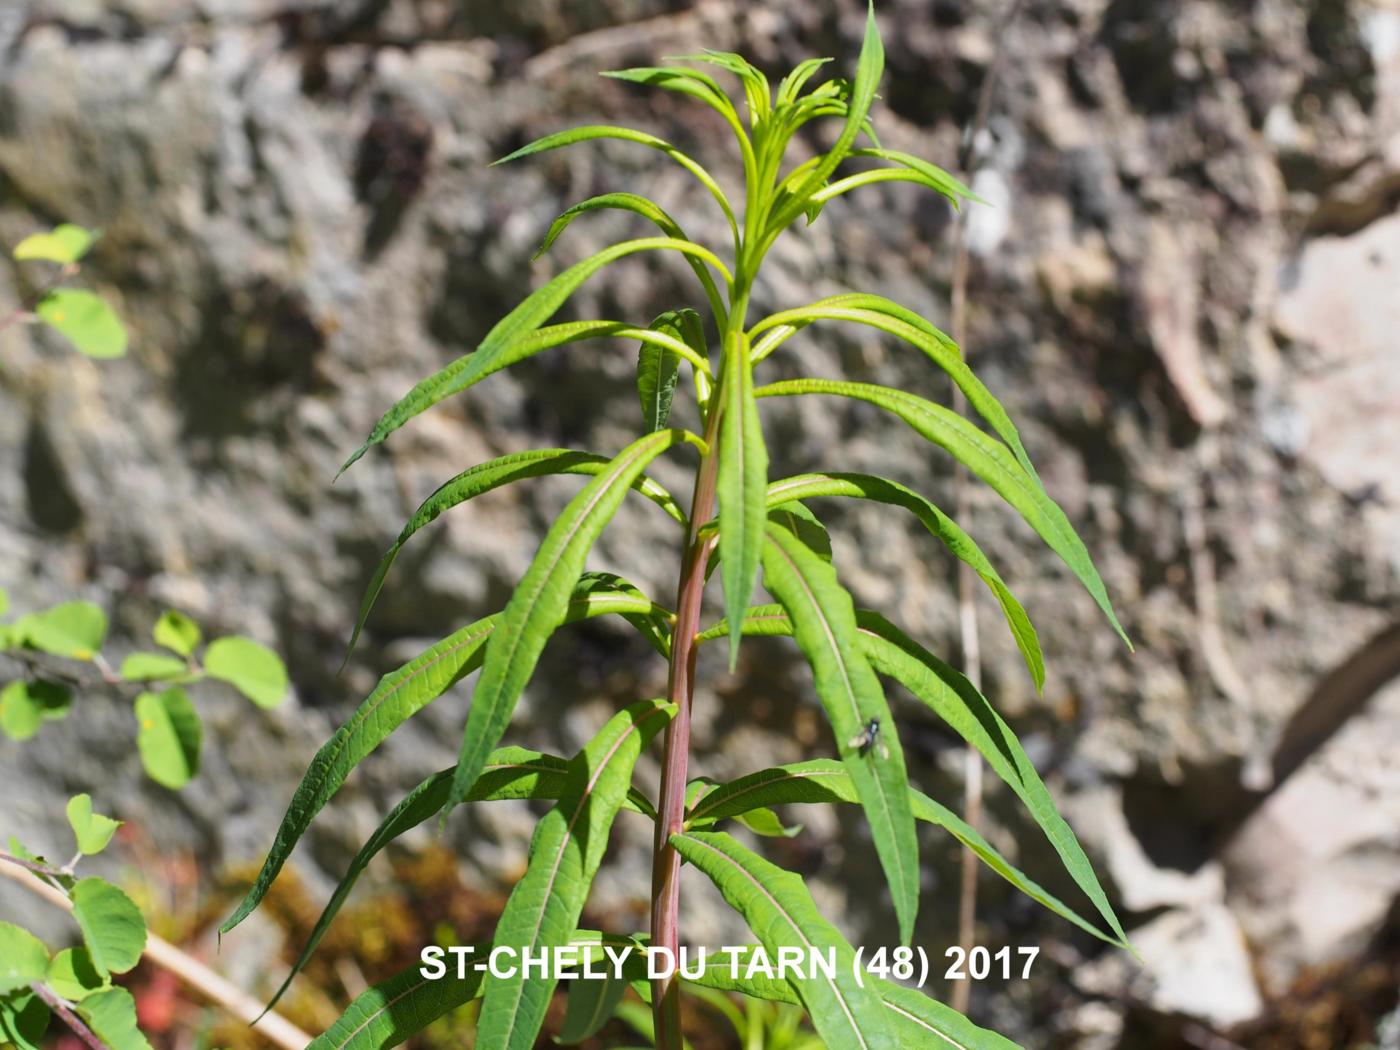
(72, 1020)
(666, 862)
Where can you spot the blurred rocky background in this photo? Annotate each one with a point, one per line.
(1186, 288)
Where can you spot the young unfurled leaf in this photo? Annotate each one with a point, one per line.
(485, 477)
(26, 706)
(169, 736)
(153, 667)
(825, 629)
(251, 668)
(565, 853)
(658, 367)
(23, 958)
(592, 1002)
(72, 975)
(177, 632)
(113, 930)
(986, 457)
(399, 695)
(112, 1015)
(92, 830)
(540, 603)
(73, 629)
(779, 909)
(741, 485)
(85, 320)
(962, 546)
(64, 244)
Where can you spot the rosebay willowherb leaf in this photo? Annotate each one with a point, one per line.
(825, 628)
(540, 602)
(567, 847)
(742, 482)
(982, 454)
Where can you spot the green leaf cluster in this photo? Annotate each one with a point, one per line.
(754, 531)
(169, 733)
(82, 317)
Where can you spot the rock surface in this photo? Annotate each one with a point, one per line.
(1185, 296)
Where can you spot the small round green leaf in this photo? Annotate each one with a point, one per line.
(72, 975)
(253, 669)
(25, 706)
(169, 737)
(23, 958)
(92, 830)
(63, 244)
(177, 632)
(85, 319)
(72, 629)
(150, 667)
(113, 930)
(112, 1015)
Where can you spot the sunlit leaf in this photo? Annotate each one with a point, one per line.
(64, 244)
(113, 930)
(23, 958)
(152, 667)
(26, 706)
(85, 320)
(250, 667)
(741, 486)
(112, 1015)
(177, 632)
(92, 830)
(72, 629)
(169, 736)
(72, 975)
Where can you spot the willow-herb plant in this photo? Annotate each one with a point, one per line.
(760, 525)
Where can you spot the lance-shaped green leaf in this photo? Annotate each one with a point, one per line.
(954, 699)
(918, 1020)
(647, 209)
(986, 457)
(794, 516)
(779, 909)
(591, 1004)
(868, 70)
(878, 312)
(399, 695)
(540, 603)
(511, 772)
(825, 629)
(64, 244)
(658, 367)
(606, 131)
(518, 335)
(85, 320)
(824, 781)
(741, 484)
(565, 852)
(938, 179)
(962, 546)
(484, 478)
(113, 930)
(875, 175)
(756, 91)
(686, 81)
(790, 87)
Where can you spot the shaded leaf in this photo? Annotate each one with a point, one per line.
(169, 737)
(26, 706)
(72, 975)
(92, 830)
(85, 320)
(250, 667)
(393, 1010)
(148, 667)
(658, 367)
(113, 930)
(592, 1002)
(23, 1021)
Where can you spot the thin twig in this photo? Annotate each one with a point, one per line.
(276, 1028)
(58, 1005)
(29, 865)
(967, 582)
